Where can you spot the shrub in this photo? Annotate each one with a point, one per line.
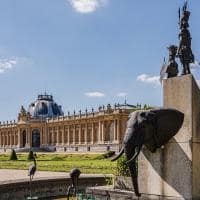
(109, 180)
(57, 158)
(108, 154)
(13, 155)
(122, 167)
(30, 155)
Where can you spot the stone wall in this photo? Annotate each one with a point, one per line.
(44, 188)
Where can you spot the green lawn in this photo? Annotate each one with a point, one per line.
(87, 163)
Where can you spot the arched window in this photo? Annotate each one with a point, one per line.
(35, 138)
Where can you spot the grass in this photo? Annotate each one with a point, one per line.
(87, 163)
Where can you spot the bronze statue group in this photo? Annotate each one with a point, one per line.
(183, 51)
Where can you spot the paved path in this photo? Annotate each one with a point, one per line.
(12, 174)
(7, 175)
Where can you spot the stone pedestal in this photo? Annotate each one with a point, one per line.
(173, 172)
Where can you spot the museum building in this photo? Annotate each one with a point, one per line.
(44, 126)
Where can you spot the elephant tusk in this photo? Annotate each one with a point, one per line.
(117, 156)
(134, 156)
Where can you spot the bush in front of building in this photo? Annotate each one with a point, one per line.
(122, 167)
(30, 155)
(109, 154)
(106, 155)
(13, 155)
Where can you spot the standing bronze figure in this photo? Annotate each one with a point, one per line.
(184, 51)
(172, 66)
(74, 175)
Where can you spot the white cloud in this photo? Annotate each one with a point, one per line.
(86, 6)
(149, 79)
(7, 64)
(94, 94)
(198, 82)
(122, 94)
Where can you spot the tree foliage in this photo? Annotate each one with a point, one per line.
(122, 167)
(13, 155)
(30, 155)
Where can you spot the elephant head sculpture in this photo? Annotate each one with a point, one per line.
(152, 128)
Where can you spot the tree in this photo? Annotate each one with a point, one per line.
(30, 155)
(13, 155)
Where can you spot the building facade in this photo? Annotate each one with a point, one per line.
(44, 126)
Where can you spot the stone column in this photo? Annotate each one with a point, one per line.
(0, 139)
(86, 133)
(14, 138)
(10, 138)
(103, 132)
(7, 138)
(45, 135)
(79, 135)
(68, 135)
(48, 136)
(3, 139)
(115, 130)
(63, 136)
(74, 132)
(3, 143)
(41, 136)
(57, 136)
(29, 136)
(118, 130)
(52, 136)
(19, 138)
(99, 132)
(92, 139)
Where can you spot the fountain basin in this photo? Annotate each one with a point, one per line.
(46, 187)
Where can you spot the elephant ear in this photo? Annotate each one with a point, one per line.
(167, 124)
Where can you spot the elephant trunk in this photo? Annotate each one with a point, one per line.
(133, 169)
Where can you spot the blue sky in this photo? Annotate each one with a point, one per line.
(87, 52)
